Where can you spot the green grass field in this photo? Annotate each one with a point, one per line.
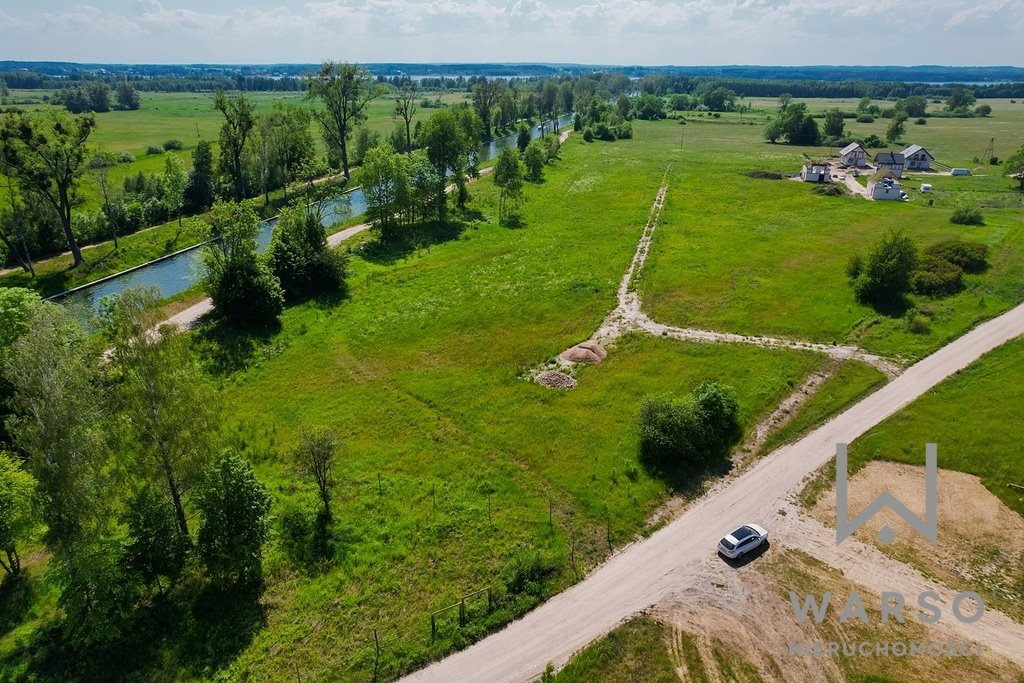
(634, 651)
(754, 256)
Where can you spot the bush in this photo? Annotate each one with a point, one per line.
(865, 118)
(154, 149)
(993, 161)
(99, 161)
(247, 292)
(534, 158)
(972, 257)
(920, 121)
(937, 277)
(917, 323)
(300, 258)
(174, 145)
(855, 266)
(830, 190)
(886, 277)
(967, 214)
(624, 131)
(687, 433)
(588, 134)
(124, 157)
(874, 142)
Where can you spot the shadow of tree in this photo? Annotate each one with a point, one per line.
(191, 635)
(16, 596)
(224, 348)
(411, 238)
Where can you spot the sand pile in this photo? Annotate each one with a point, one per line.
(585, 352)
(555, 380)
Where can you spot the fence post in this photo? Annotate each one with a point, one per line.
(433, 628)
(376, 661)
(462, 612)
(608, 532)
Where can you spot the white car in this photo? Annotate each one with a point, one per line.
(742, 541)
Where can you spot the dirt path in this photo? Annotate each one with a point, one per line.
(649, 571)
(856, 188)
(627, 316)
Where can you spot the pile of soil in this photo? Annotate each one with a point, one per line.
(555, 380)
(585, 352)
(764, 175)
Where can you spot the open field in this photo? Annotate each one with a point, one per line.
(419, 370)
(737, 254)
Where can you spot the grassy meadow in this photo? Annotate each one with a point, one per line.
(457, 473)
(756, 256)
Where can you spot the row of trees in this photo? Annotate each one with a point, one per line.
(95, 96)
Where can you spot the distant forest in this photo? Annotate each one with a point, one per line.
(746, 81)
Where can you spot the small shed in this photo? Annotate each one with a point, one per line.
(891, 161)
(884, 184)
(853, 155)
(816, 172)
(917, 158)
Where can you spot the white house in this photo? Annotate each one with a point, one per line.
(816, 172)
(853, 155)
(917, 158)
(883, 185)
(890, 161)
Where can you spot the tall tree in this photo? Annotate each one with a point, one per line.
(174, 180)
(485, 96)
(834, 123)
(508, 176)
(385, 181)
(100, 170)
(405, 107)
(446, 145)
(345, 90)
(239, 120)
(199, 187)
(15, 229)
(16, 492)
(166, 402)
(897, 128)
(127, 96)
(45, 153)
(291, 142)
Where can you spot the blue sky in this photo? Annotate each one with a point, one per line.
(953, 32)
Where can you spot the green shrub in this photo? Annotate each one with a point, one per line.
(154, 149)
(300, 258)
(917, 323)
(124, 157)
(588, 134)
(937, 277)
(865, 118)
(174, 145)
(687, 433)
(967, 214)
(854, 266)
(829, 190)
(972, 257)
(247, 292)
(920, 121)
(534, 159)
(886, 276)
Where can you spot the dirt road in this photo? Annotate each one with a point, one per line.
(654, 569)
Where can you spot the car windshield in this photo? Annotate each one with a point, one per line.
(728, 544)
(743, 532)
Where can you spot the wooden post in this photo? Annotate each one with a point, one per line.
(608, 533)
(551, 514)
(433, 627)
(376, 661)
(462, 612)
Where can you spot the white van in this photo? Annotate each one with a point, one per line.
(960, 171)
(926, 187)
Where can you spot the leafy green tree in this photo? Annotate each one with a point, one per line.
(785, 98)
(17, 231)
(345, 90)
(300, 258)
(446, 144)
(239, 121)
(127, 96)
(198, 195)
(688, 433)
(174, 182)
(243, 289)
(98, 94)
(795, 124)
(234, 505)
(960, 98)
(719, 99)
(623, 106)
(983, 110)
(897, 127)
(915, 106)
(886, 275)
(385, 181)
(534, 158)
(17, 489)
(4, 92)
(508, 176)
(486, 94)
(523, 137)
(834, 123)
(45, 153)
(405, 108)
(649, 107)
(167, 405)
(1013, 167)
(156, 547)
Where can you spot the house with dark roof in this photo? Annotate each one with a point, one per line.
(890, 161)
(917, 158)
(853, 155)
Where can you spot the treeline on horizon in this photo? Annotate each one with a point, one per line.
(625, 83)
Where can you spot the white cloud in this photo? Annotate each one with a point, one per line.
(596, 31)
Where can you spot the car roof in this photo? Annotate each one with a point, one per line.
(743, 532)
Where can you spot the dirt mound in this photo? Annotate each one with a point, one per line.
(585, 352)
(555, 380)
(764, 175)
